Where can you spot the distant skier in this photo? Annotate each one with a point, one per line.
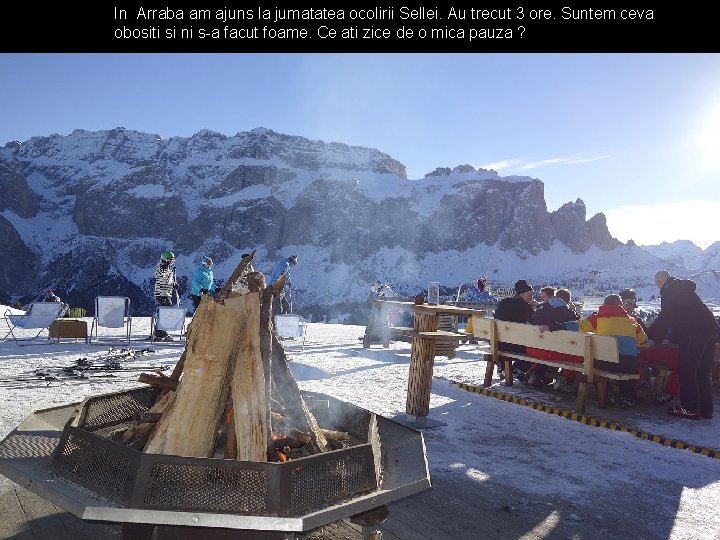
(283, 267)
(165, 286)
(203, 281)
(479, 293)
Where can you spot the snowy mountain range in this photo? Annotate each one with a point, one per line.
(90, 212)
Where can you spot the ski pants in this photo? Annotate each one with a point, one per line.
(695, 361)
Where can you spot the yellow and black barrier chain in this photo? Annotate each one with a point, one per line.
(589, 420)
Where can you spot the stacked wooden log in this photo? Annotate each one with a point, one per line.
(231, 393)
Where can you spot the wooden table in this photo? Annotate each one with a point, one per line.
(661, 381)
(424, 334)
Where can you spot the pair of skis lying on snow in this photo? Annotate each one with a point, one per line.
(108, 365)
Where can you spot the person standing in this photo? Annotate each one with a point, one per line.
(283, 267)
(695, 329)
(203, 281)
(165, 286)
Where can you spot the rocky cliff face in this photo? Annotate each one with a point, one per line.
(88, 213)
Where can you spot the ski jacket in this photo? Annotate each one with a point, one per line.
(681, 311)
(554, 313)
(513, 309)
(614, 321)
(280, 267)
(165, 280)
(202, 280)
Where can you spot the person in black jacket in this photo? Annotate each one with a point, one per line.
(695, 329)
(520, 309)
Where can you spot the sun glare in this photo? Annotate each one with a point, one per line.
(708, 140)
(652, 225)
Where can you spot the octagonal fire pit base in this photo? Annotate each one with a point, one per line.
(81, 470)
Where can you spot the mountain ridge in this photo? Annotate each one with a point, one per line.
(88, 213)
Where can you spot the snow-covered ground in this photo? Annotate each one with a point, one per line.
(541, 455)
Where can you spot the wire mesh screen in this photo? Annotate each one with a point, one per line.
(336, 477)
(200, 487)
(104, 469)
(87, 456)
(113, 409)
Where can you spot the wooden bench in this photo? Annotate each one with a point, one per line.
(591, 347)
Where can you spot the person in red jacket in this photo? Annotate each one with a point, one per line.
(611, 319)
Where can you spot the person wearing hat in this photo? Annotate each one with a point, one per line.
(519, 309)
(283, 267)
(203, 281)
(165, 285)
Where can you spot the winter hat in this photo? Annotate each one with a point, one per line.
(293, 259)
(207, 261)
(522, 286)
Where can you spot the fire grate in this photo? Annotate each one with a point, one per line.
(65, 455)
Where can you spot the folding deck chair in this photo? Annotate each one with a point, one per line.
(40, 316)
(169, 319)
(112, 312)
(290, 327)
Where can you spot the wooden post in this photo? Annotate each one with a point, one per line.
(422, 358)
(602, 392)
(492, 338)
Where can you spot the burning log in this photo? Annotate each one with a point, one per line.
(218, 398)
(212, 348)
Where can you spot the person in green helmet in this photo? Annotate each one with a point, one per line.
(165, 286)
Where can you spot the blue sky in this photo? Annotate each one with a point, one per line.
(636, 136)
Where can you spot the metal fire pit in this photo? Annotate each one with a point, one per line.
(64, 455)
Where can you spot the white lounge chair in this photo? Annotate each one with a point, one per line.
(112, 312)
(290, 327)
(169, 319)
(39, 317)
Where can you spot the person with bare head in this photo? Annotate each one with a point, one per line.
(693, 326)
(611, 319)
(546, 293)
(552, 314)
(566, 296)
